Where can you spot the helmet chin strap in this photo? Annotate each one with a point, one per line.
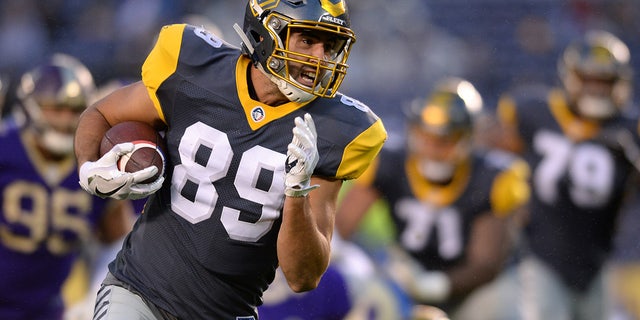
(291, 92)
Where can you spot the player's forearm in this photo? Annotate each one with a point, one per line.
(90, 130)
(303, 249)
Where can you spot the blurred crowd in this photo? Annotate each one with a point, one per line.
(402, 51)
(496, 44)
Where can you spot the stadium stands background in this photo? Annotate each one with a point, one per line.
(402, 46)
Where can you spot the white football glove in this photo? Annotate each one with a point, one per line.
(103, 179)
(302, 158)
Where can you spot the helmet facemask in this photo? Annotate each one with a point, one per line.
(267, 38)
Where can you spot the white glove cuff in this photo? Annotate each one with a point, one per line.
(299, 190)
(83, 174)
(433, 286)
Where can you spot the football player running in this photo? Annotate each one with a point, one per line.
(45, 217)
(579, 145)
(259, 141)
(450, 204)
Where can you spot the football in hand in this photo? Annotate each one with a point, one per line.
(149, 147)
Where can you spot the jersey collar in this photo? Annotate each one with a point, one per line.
(259, 114)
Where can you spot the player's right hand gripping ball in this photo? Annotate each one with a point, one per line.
(302, 158)
(148, 147)
(123, 171)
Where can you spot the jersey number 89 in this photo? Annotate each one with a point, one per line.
(205, 155)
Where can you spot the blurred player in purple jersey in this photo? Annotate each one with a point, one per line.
(331, 300)
(451, 206)
(45, 217)
(350, 289)
(259, 141)
(581, 146)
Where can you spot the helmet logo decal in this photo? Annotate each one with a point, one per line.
(335, 9)
(601, 55)
(435, 116)
(257, 114)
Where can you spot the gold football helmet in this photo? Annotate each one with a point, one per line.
(441, 127)
(268, 26)
(47, 92)
(597, 75)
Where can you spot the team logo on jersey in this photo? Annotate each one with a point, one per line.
(257, 114)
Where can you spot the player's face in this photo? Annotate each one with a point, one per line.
(61, 119)
(595, 98)
(315, 47)
(57, 126)
(597, 86)
(435, 147)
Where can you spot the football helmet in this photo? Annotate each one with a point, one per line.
(62, 83)
(440, 128)
(596, 74)
(268, 25)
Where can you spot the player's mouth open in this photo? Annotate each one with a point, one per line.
(307, 78)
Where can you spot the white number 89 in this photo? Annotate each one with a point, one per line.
(206, 155)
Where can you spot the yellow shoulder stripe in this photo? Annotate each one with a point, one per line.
(361, 151)
(510, 189)
(162, 62)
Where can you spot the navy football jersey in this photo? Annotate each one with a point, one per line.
(44, 218)
(205, 248)
(433, 222)
(579, 176)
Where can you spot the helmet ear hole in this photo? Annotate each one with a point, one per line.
(254, 36)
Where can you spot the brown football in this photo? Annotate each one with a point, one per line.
(149, 147)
